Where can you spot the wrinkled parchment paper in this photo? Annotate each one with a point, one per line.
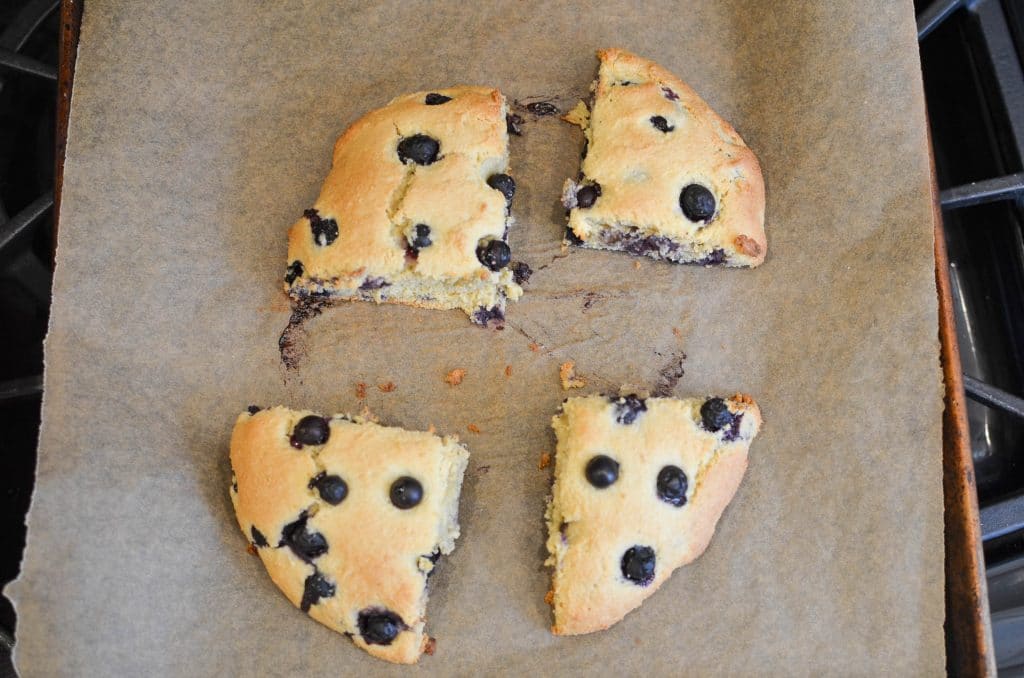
(200, 130)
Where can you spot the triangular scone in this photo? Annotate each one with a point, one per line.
(639, 487)
(349, 518)
(663, 175)
(415, 209)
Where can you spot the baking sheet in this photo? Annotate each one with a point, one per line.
(200, 130)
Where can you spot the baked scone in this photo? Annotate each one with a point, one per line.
(415, 209)
(349, 518)
(639, 487)
(662, 174)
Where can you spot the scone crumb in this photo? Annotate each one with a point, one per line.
(430, 646)
(473, 428)
(454, 378)
(748, 246)
(361, 390)
(743, 399)
(545, 460)
(251, 549)
(534, 346)
(431, 430)
(569, 379)
(579, 115)
(636, 265)
(549, 597)
(508, 371)
(678, 332)
(387, 387)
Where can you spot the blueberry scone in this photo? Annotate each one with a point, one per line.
(639, 486)
(662, 174)
(415, 209)
(349, 518)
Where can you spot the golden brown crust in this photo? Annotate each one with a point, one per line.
(590, 529)
(642, 171)
(377, 555)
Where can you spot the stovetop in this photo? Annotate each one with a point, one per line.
(970, 51)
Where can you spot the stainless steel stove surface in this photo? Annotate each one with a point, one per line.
(970, 53)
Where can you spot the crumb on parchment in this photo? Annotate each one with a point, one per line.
(387, 387)
(549, 597)
(566, 372)
(454, 378)
(676, 331)
(251, 549)
(534, 346)
(636, 265)
(361, 390)
(473, 428)
(508, 371)
(545, 460)
(430, 646)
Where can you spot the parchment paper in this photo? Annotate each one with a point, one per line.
(200, 130)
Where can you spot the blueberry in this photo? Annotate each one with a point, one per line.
(542, 108)
(672, 485)
(374, 283)
(406, 492)
(257, 537)
(602, 471)
(583, 153)
(503, 183)
(521, 272)
(305, 544)
(316, 587)
(311, 430)
(715, 414)
(253, 409)
(294, 271)
(492, 316)
(434, 99)
(588, 195)
(716, 257)
(378, 626)
(698, 203)
(422, 238)
(628, 408)
(332, 488)
(419, 148)
(514, 124)
(669, 94)
(661, 124)
(325, 231)
(494, 254)
(638, 565)
(571, 237)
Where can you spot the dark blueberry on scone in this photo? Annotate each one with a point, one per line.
(588, 195)
(325, 231)
(494, 254)
(329, 503)
(602, 471)
(638, 565)
(715, 414)
(406, 492)
(305, 543)
(628, 408)
(257, 536)
(611, 548)
(413, 187)
(419, 148)
(661, 124)
(503, 183)
(379, 626)
(315, 588)
(697, 203)
(311, 430)
(331, 488)
(421, 238)
(690, 192)
(672, 485)
(294, 271)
